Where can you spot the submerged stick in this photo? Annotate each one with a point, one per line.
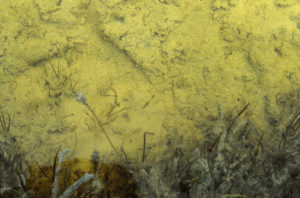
(144, 147)
(54, 164)
(210, 149)
(21, 182)
(85, 178)
(55, 188)
(259, 143)
(233, 121)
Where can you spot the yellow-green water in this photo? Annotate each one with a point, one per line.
(168, 67)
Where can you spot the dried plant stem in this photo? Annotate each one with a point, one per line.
(258, 144)
(85, 178)
(102, 128)
(21, 182)
(55, 188)
(233, 121)
(67, 193)
(210, 149)
(54, 164)
(144, 146)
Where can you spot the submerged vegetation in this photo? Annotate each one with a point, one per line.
(233, 160)
(163, 67)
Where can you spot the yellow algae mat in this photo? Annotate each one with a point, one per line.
(136, 79)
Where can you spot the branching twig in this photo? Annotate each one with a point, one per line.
(81, 98)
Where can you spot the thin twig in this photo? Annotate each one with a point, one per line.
(55, 187)
(54, 164)
(148, 102)
(233, 121)
(55, 72)
(124, 153)
(21, 182)
(210, 149)
(85, 178)
(102, 128)
(258, 144)
(43, 172)
(144, 147)
(114, 105)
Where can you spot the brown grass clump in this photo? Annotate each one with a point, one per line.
(41, 178)
(115, 180)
